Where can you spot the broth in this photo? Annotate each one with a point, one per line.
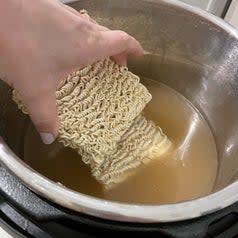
(187, 173)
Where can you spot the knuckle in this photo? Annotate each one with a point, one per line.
(123, 36)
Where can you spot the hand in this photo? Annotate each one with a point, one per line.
(41, 42)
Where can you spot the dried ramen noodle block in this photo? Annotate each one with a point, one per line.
(100, 111)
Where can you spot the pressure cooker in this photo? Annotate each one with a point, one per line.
(206, 73)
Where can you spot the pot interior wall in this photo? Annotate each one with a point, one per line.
(190, 54)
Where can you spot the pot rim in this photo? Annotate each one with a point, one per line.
(116, 210)
(110, 209)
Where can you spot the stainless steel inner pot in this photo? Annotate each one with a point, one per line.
(197, 55)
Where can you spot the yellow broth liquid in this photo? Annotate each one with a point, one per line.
(186, 173)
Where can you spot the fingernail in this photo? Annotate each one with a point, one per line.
(47, 138)
(124, 64)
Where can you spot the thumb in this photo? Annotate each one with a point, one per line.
(43, 113)
(120, 43)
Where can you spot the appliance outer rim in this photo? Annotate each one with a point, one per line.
(121, 211)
